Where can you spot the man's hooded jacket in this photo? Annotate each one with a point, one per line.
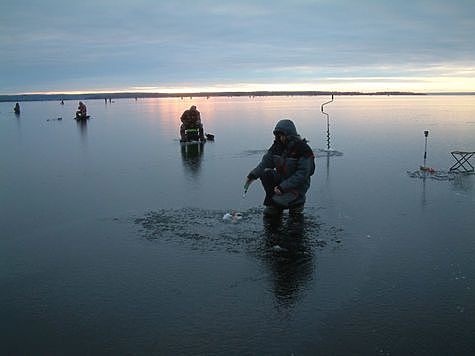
(293, 162)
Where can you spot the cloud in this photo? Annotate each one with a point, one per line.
(146, 42)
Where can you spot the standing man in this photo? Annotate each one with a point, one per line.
(285, 171)
(191, 119)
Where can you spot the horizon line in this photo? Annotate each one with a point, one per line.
(131, 93)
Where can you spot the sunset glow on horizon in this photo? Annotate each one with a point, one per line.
(239, 46)
(363, 85)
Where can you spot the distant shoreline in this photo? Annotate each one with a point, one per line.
(132, 95)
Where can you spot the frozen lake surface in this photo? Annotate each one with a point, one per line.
(113, 239)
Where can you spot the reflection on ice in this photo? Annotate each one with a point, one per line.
(319, 152)
(289, 257)
(82, 127)
(192, 155)
(285, 245)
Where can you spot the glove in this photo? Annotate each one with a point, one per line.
(247, 184)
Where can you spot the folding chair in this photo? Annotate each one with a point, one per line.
(462, 164)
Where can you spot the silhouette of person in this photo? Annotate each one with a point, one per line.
(81, 113)
(191, 119)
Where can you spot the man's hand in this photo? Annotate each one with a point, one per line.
(277, 190)
(247, 184)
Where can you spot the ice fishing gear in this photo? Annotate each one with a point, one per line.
(233, 217)
(329, 151)
(427, 172)
(424, 167)
(462, 164)
(328, 102)
(426, 134)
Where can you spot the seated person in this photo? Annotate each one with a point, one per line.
(191, 119)
(82, 110)
(16, 109)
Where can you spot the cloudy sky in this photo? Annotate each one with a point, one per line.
(165, 46)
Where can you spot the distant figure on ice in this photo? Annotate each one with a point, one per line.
(62, 102)
(81, 113)
(191, 120)
(285, 171)
(16, 109)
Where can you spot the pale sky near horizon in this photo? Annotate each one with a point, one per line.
(213, 45)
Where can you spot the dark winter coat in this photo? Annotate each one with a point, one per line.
(293, 162)
(191, 118)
